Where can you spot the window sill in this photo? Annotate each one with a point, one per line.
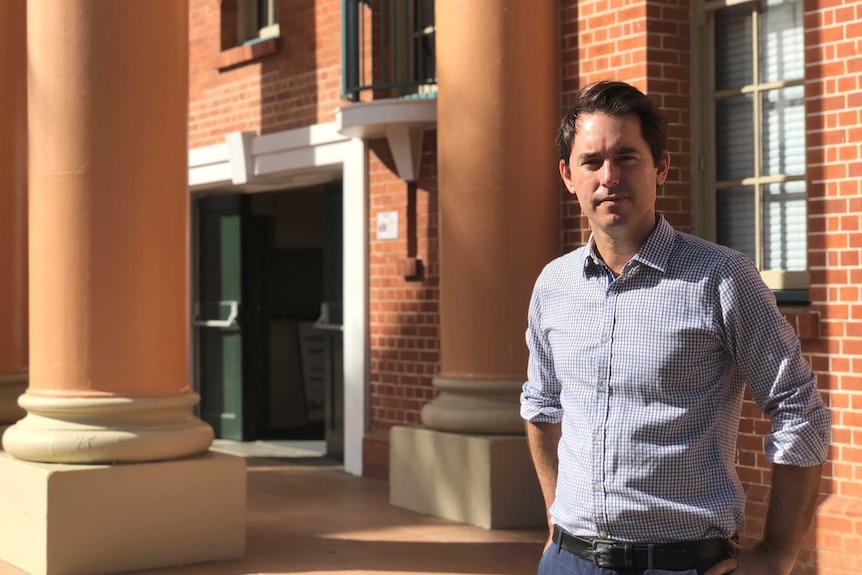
(246, 53)
(804, 322)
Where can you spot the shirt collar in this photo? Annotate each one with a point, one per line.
(655, 252)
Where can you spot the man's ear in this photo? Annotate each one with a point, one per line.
(662, 167)
(566, 174)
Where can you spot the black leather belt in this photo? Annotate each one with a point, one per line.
(618, 555)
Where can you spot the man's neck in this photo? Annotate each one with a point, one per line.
(615, 255)
(617, 250)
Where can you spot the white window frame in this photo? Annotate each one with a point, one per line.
(251, 27)
(704, 97)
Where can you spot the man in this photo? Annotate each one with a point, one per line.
(641, 344)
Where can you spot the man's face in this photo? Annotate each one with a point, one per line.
(613, 174)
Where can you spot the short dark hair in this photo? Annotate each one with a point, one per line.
(614, 99)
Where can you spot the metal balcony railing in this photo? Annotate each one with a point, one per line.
(387, 49)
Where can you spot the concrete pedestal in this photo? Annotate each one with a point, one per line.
(485, 480)
(95, 519)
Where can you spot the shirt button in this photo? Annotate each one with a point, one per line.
(604, 339)
(603, 534)
(601, 387)
(598, 437)
(597, 487)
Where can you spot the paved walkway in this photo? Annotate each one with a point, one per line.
(306, 515)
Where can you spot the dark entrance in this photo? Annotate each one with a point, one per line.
(268, 315)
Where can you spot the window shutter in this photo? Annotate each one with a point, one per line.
(782, 44)
(784, 226)
(760, 132)
(734, 61)
(735, 219)
(734, 138)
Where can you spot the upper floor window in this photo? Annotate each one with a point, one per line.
(422, 32)
(754, 134)
(388, 49)
(256, 20)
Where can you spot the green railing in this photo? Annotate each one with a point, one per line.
(387, 49)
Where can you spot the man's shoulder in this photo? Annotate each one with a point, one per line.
(698, 250)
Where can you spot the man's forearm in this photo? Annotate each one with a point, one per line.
(543, 439)
(791, 507)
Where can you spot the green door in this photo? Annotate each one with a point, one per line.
(245, 281)
(218, 314)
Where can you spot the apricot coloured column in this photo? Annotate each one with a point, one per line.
(13, 208)
(108, 233)
(497, 112)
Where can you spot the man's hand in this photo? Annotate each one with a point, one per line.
(762, 559)
(791, 506)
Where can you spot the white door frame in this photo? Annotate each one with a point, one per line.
(246, 163)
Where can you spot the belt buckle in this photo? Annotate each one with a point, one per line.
(603, 555)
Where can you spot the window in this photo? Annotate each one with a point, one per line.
(388, 49)
(753, 143)
(256, 20)
(422, 49)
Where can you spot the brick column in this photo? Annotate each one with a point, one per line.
(13, 209)
(108, 223)
(497, 110)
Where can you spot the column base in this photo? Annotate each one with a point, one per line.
(484, 480)
(107, 429)
(483, 407)
(97, 519)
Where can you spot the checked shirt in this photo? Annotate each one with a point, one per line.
(646, 372)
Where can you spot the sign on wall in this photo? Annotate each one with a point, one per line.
(387, 225)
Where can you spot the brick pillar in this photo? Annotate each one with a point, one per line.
(497, 113)
(108, 223)
(13, 208)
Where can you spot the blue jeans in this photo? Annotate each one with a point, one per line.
(558, 561)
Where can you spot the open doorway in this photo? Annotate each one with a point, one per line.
(269, 349)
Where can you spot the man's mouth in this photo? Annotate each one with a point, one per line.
(612, 199)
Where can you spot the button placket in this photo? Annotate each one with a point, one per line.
(602, 405)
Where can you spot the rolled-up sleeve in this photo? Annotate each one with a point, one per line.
(540, 395)
(769, 358)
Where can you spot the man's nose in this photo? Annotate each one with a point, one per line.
(610, 174)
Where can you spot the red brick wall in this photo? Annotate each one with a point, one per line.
(646, 44)
(296, 82)
(833, 39)
(573, 226)
(668, 82)
(404, 316)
